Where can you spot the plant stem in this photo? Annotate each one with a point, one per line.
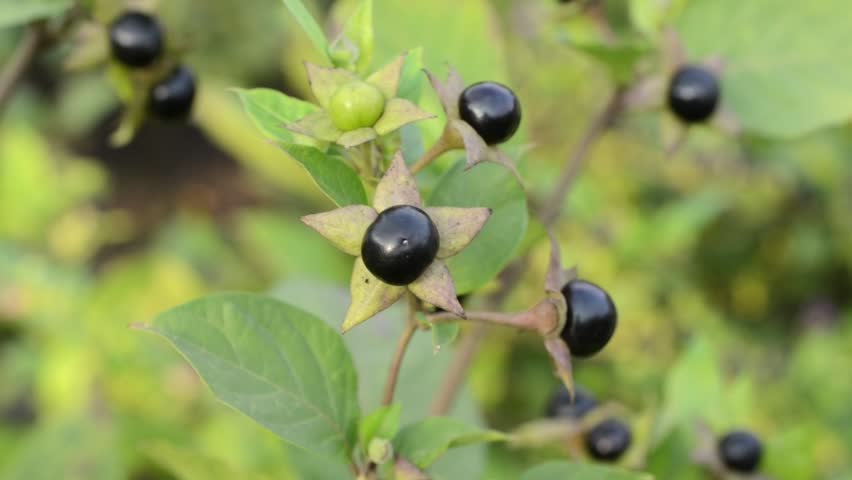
(399, 354)
(439, 148)
(520, 320)
(21, 59)
(599, 125)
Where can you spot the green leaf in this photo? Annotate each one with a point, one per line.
(382, 422)
(443, 334)
(79, 449)
(584, 471)
(411, 77)
(336, 179)
(308, 24)
(648, 16)
(190, 465)
(619, 59)
(17, 12)
(359, 31)
(424, 442)
(494, 246)
(270, 110)
(782, 76)
(684, 397)
(279, 365)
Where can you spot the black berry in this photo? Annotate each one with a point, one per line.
(400, 244)
(172, 98)
(492, 110)
(561, 406)
(740, 451)
(591, 318)
(136, 39)
(608, 440)
(693, 94)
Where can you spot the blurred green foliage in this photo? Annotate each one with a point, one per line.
(730, 261)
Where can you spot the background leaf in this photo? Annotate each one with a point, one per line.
(424, 442)
(443, 334)
(780, 77)
(16, 12)
(308, 24)
(277, 364)
(382, 422)
(493, 247)
(584, 471)
(332, 176)
(186, 464)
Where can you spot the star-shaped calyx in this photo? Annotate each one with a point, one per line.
(460, 134)
(355, 111)
(400, 245)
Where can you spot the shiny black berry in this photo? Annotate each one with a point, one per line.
(608, 440)
(591, 318)
(492, 110)
(693, 94)
(172, 98)
(136, 39)
(561, 406)
(400, 244)
(740, 451)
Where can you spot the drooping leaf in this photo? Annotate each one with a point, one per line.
(16, 12)
(492, 248)
(279, 365)
(443, 334)
(332, 176)
(786, 81)
(308, 24)
(424, 442)
(585, 471)
(269, 110)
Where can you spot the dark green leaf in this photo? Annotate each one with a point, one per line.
(782, 74)
(584, 471)
(492, 249)
(270, 110)
(424, 442)
(279, 365)
(333, 177)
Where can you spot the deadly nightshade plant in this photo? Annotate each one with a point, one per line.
(375, 288)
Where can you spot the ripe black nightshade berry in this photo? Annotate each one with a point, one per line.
(608, 440)
(172, 97)
(591, 318)
(740, 451)
(136, 39)
(400, 244)
(561, 406)
(693, 94)
(492, 110)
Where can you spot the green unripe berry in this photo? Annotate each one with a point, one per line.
(356, 105)
(379, 450)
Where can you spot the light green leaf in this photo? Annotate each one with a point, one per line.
(619, 59)
(684, 397)
(584, 471)
(279, 365)
(359, 30)
(332, 176)
(424, 442)
(308, 24)
(494, 246)
(270, 110)
(190, 465)
(382, 422)
(411, 78)
(16, 12)
(648, 16)
(782, 76)
(443, 334)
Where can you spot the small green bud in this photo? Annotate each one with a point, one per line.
(379, 450)
(356, 105)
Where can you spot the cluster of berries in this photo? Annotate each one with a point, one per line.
(136, 41)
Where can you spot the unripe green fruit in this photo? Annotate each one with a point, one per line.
(379, 450)
(356, 105)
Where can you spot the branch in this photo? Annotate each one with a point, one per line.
(553, 206)
(20, 62)
(516, 320)
(401, 347)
